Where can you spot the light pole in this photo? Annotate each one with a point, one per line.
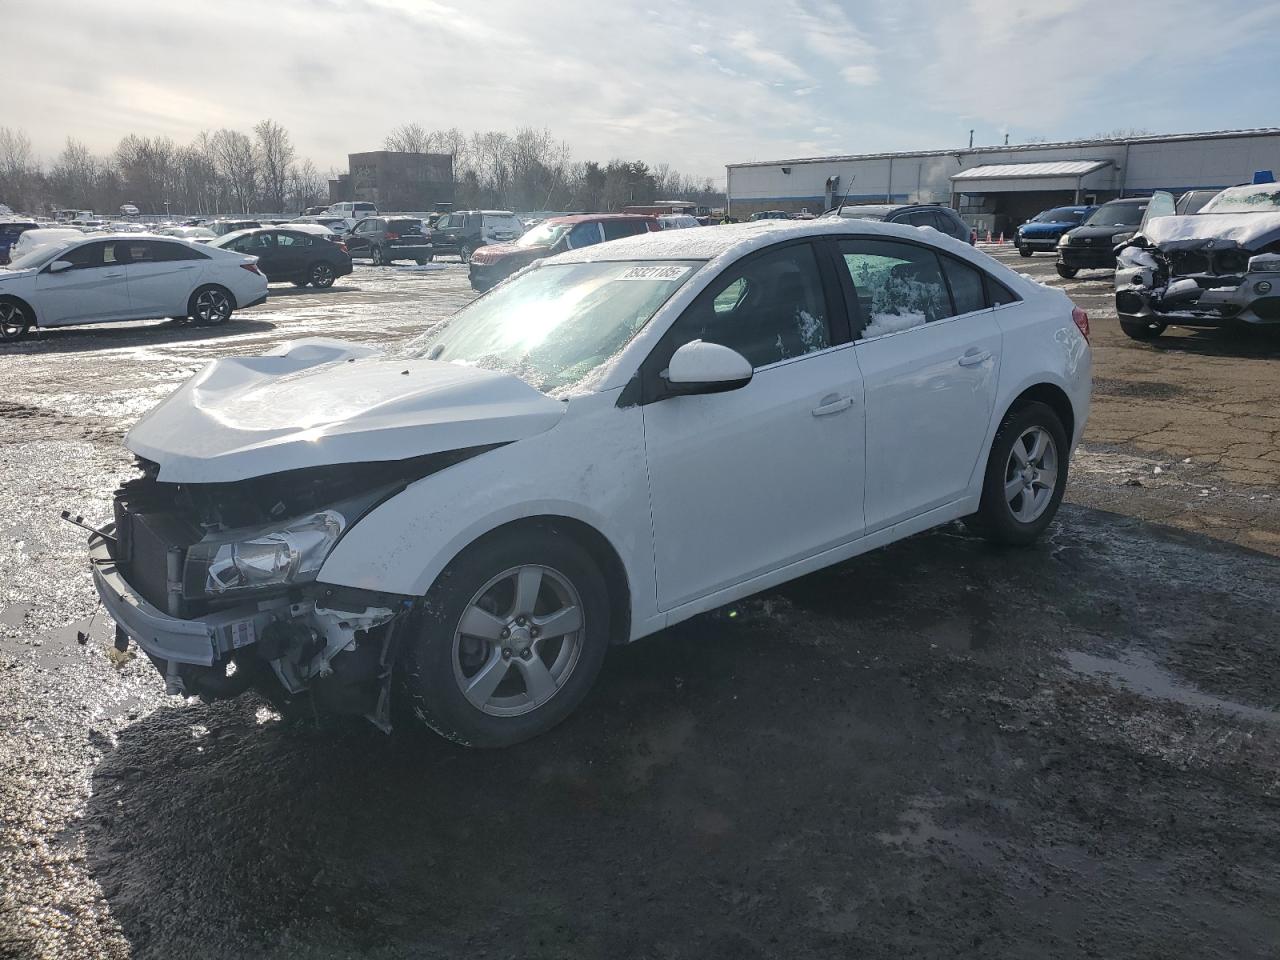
(166, 209)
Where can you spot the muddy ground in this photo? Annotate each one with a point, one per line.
(940, 749)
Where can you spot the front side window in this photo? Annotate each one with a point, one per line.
(552, 326)
(768, 308)
(584, 235)
(898, 285)
(87, 257)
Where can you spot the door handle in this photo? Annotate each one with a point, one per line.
(973, 357)
(832, 403)
(111, 276)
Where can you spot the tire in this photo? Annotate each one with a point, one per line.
(427, 259)
(440, 661)
(15, 320)
(301, 283)
(1026, 252)
(375, 254)
(321, 275)
(1065, 272)
(465, 253)
(211, 305)
(1137, 329)
(1020, 518)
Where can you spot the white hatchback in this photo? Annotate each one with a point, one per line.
(609, 442)
(102, 279)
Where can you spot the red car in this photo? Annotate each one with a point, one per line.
(495, 262)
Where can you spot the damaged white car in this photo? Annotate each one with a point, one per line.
(1217, 267)
(608, 443)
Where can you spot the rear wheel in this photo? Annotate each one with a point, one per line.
(511, 638)
(321, 275)
(465, 253)
(1138, 329)
(15, 320)
(1025, 478)
(1067, 273)
(210, 305)
(1026, 252)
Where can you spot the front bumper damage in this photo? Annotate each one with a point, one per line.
(290, 648)
(1198, 284)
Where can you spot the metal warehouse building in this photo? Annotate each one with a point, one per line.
(998, 188)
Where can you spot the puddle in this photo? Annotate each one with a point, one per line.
(1140, 674)
(920, 834)
(14, 614)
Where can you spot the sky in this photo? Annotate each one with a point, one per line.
(693, 84)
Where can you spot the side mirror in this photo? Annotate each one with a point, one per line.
(700, 367)
(59, 265)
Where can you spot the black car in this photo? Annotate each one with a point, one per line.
(942, 219)
(460, 233)
(291, 255)
(1092, 245)
(388, 239)
(10, 231)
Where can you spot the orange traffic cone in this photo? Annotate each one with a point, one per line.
(988, 236)
(1001, 240)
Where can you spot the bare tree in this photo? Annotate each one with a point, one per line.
(307, 186)
(19, 172)
(235, 162)
(75, 175)
(409, 138)
(275, 155)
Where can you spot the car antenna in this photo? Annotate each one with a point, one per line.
(840, 205)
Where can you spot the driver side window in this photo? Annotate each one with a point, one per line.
(768, 308)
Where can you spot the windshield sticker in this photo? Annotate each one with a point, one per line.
(655, 273)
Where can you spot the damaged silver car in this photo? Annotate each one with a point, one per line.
(1216, 268)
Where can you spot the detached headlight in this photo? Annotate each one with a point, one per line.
(291, 552)
(1120, 238)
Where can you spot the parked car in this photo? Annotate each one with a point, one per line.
(317, 230)
(102, 279)
(223, 227)
(1193, 200)
(770, 215)
(1043, 230)
(943, 219)
(337, 225)
(678, 221)
(198, 234)
(10, 231)
(1215, 268)
(619, 438)
(352, 211)
(28, 240)
(290, 255)
(387, 239)
(1093, 244)
(463, 232)
(495, 262)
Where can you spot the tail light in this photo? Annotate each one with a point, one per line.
(340, 245)
(252, 268)
(1081, 320)
(973, 237)
(392, 236)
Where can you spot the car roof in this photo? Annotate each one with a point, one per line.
(599, 217)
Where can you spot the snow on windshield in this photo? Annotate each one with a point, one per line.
(1263, 198)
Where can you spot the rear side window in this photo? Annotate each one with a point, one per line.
(169, 252)
(966, 285)
(613, 229)
(997, 293)
(898, 285)
(919, 218)
(293, 239)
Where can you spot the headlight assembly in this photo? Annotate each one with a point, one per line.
(288, 553)
(1120, 238)
(1064, 240)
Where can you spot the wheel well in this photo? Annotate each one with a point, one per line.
(601, 551)
(10, 298)
(1053, 397)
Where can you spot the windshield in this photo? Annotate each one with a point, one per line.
(555, 324)
(1118, 215)
(1259, 199)
(39, 256)
(543, 235)
(505, 223)
(1059, 215)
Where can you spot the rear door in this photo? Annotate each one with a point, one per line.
(95, 288)
(928, 345)
(162, 276)
(292, 252)
(444, 234)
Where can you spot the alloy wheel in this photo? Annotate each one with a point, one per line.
(212, 306)
(322, 275)
(1031, 474)
(518, 640)
(13, 321)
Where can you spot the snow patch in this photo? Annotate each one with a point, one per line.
(882, 323)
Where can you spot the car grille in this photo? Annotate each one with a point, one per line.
(1183, 263)
(1268, 308)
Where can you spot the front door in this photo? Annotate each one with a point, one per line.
(96, 287)
(754, 479)
(929, 351)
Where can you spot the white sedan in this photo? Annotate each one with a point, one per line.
(609, 442)
(102, 279)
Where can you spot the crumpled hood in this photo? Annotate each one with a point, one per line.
(319, 402)
(1244, 229)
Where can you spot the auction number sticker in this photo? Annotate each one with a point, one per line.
(664, 272)
(242, 633)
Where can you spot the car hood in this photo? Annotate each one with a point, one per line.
(1245, 229)
(7, 274)
(1046, 226)
(1100, 231)
(322, 402)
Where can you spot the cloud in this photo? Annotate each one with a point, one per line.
(773, 62)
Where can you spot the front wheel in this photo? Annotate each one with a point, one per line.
(321, 275)
(1026, 252)
(1067, 273)
(210, 306)
(14, 321)
(510, 639)
(1025, 478)
(1141, 329)
(376, 255)
(465, 253)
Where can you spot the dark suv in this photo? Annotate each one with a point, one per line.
(292, 255)
(1092, 245)
(388, 239)
(942, 219)
(463, 232)
(10, 231)
(495, 262)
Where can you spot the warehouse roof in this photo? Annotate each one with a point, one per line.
(1019, 171)
(1023, 147)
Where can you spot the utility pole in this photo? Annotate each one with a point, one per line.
(970, 139)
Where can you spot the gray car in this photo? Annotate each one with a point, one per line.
(941, 218)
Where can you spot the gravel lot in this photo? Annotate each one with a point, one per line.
(940, 749)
